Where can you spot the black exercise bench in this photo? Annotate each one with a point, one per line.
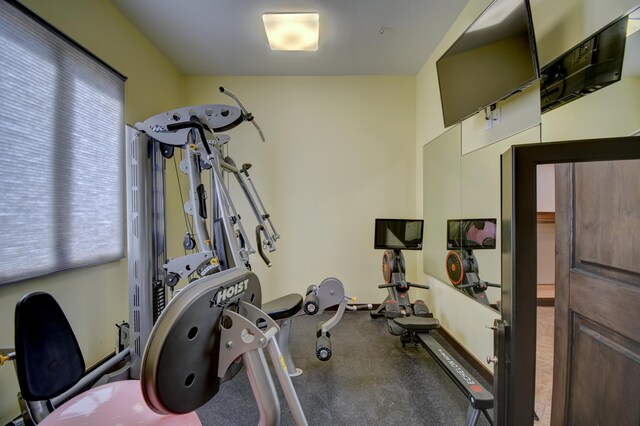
(480, 399)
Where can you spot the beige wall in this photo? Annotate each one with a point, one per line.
(338, 154)
(96, 298)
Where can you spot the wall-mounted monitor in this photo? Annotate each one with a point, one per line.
(471, 234)
(493, 59)
(591, 65)
(398, 234)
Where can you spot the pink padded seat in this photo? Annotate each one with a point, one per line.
(118, 403)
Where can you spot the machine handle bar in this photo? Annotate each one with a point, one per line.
(467, 285)
(264, 257)
(247, 115)
(424, 286)
(404, 284)
(480, 284)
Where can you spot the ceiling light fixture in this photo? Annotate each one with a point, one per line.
(633, 25)
(292, 31)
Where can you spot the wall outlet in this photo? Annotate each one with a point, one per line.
(496, 116)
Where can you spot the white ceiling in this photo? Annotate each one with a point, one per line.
(226, 37)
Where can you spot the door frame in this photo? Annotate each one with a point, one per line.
(515, 387)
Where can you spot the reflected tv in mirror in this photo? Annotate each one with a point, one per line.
(593, 64)
(398, 234)
(493, 59)
(471, 234)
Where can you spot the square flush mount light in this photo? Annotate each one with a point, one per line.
(292, 31)
(633, 23)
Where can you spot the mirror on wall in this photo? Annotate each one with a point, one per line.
(458, 186)
(461, 203)
(480, 198)
(441, 197)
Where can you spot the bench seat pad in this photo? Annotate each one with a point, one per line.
(417, 324)
(283, 307)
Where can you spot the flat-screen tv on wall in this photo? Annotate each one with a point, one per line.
(398, 234)
(593, 64)
(493, 59)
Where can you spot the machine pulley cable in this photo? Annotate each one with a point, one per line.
(184, 213)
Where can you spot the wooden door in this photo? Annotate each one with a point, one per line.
(597, 333)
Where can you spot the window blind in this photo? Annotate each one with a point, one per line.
(62, 160)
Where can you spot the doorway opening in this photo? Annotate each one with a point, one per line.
(545, 215)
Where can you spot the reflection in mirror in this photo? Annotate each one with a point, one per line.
(480, 198)
(463, 237)
(467, 186)
(611, 111)
(441, 198)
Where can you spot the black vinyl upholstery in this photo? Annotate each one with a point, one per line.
(48, 357)
(417, 324)
(283, 307)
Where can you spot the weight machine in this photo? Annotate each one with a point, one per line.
(196, 344)
(196, 132)
(218, 246)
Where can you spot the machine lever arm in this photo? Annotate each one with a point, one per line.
(264, 257)
(247, 115)
(265, 216)
(261, 216)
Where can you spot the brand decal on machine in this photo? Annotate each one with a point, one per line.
(229, 294)
(463, 374)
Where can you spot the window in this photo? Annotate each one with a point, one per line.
(62, 160)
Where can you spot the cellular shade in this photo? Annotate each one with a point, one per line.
(62, 163)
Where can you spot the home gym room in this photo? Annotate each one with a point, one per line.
(354, 131)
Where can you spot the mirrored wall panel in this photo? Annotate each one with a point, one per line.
(480, 198)
(462, 191)
(441, 198)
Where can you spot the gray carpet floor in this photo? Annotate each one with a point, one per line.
(369, 380)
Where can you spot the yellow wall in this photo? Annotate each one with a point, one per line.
(96, 298)
(338, 155)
